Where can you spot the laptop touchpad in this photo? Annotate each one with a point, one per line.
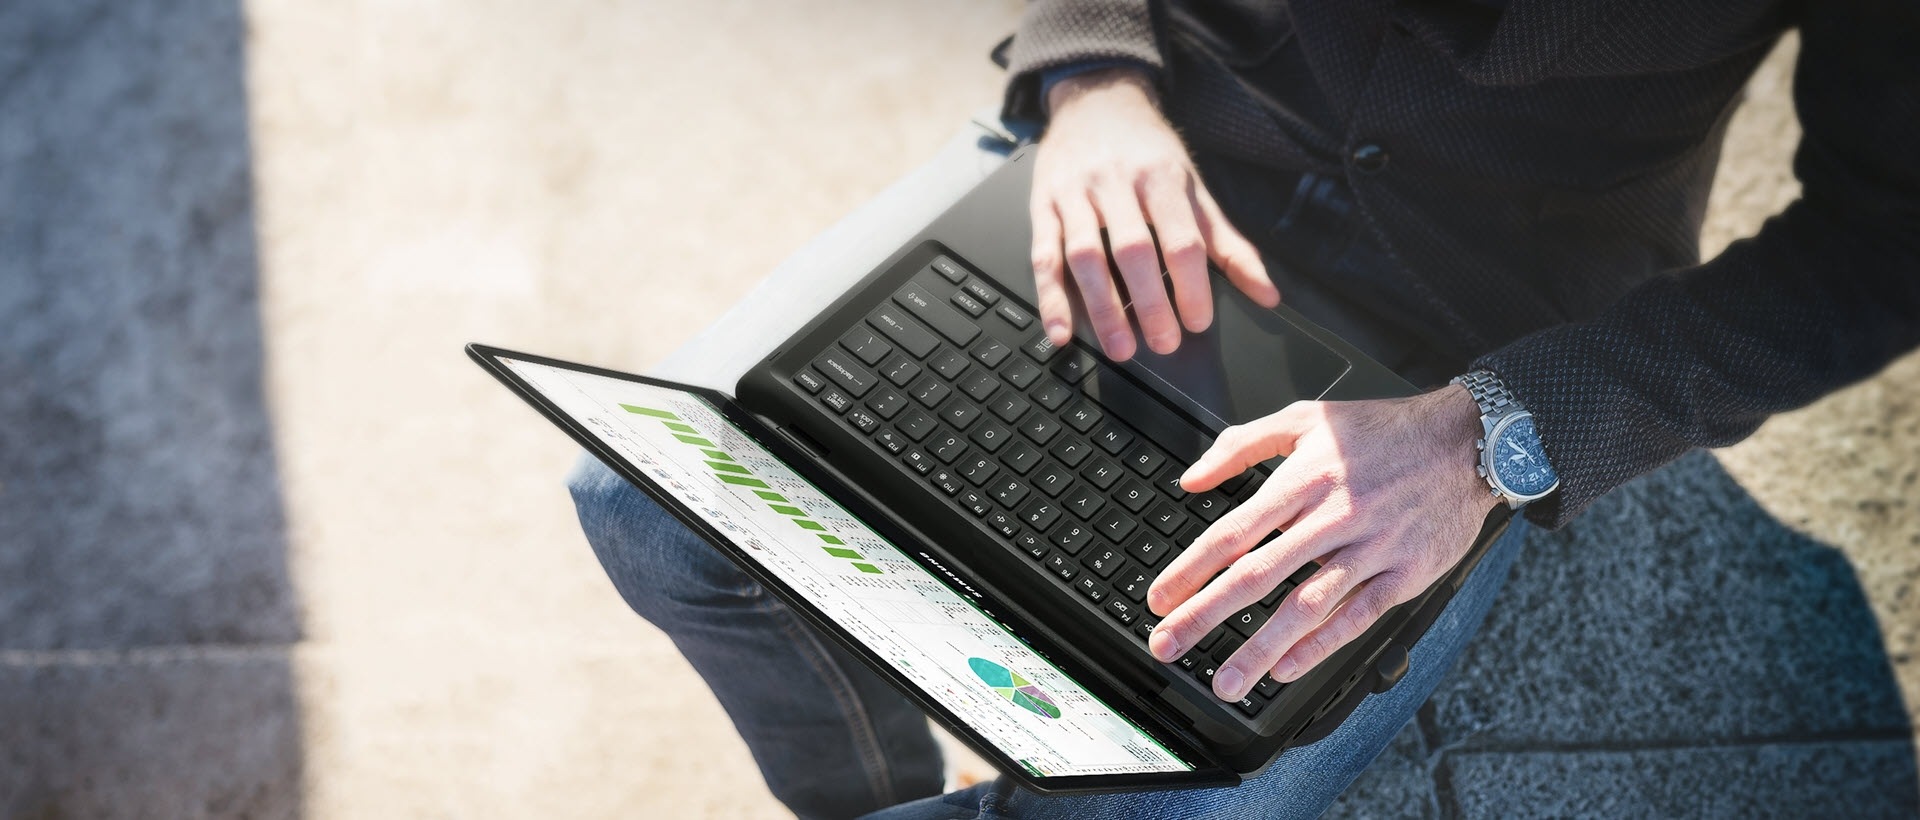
(1249, 363)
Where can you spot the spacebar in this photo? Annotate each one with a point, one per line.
(1124, 400)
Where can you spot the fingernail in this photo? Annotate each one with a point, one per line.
(1115, 341)
(1227, 682)
(1167, 646)
(1286, 670)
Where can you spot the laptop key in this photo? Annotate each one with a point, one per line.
(1273, 598)
(1145, 626)
(891, 441)
(1084, 416)
(946, 267)
(1250, 705)
(843, 370)
(1071, 451)
(1040, 513)
(915, 424)
(980, 386)
(1143, 459)
(1169, 480)
(1122, 610)
(991, 435)
(947, 446)
(1116, 524)
(949, 364)
(1268, 687)
(1021, 373)
(991, 352)
(1004, 522)
(1084, 502)
(1074, 367)
(919, 461)
(946, 481)
(1248, 621)
(1209, 506)
(929, 392)
(978, 470)
(1009, 407)
(1014, 316)
(1166, 518)
(972, 501)
(960, 412)
(836, 400)
(1052, 478)
(1071, 537)
(1031, 543)
(1041, 428)
(944, 320)
(1134, 496)
(1212, 638)
(1009, 491)
(1132, 582)
(969, 304)
(1062, 566)
(1051, 394)
(980, 291)
(905, 332)
(863, 420)
(1040, 348)
(1101, 472)
(887, 403)
(1190, 661)
(1104, 561)
(900, 370)
(1113, 438)
(809, 381)
(866, 344)
(1020, 457)
(1091, 588)
(1225, 648)
(1149, 549)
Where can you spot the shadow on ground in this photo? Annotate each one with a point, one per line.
(145, 608)
(1674, 652)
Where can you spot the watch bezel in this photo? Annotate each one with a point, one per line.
(1488, 462)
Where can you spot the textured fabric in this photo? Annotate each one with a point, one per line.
(1546, 173)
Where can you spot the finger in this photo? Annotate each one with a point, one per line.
(1049, 270)
(1087, 260)
(1235, 256)
(1139, 262)
(1185, 253)
(1362, 609)
(1243, 445)
(1247, 580)
(1275, 505)
(1313, 604)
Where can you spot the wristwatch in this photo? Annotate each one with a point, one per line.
(1511, 458)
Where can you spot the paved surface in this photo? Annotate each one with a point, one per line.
(269, 546)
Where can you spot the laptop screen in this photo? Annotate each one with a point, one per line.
(957, 655)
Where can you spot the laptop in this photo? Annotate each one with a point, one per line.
(976, 513)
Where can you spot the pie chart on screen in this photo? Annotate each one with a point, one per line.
(1008, 684)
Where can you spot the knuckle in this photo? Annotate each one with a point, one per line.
(1084, 255)
(1314, 600)
(1182, 246)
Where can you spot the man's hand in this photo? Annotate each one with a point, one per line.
(1382, 493)
(1110, 160)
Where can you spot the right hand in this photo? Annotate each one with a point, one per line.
(1109, 159)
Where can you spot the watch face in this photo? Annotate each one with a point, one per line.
(1519, 461)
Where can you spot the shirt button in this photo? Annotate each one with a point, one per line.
(1369, 158)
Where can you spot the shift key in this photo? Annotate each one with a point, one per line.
(844, 371)
(934, 312)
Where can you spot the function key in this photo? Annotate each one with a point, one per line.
(991, 352)
(948, 268)
(1062, 566)
(809, 381)
(975, 503)
(1146, 625)
(1250, 705)
(891, 441)
(919, 461)
(1014, 316)
(1091, 587)
(904, 332)
(1003, 521)
(1040, 347)
(836, 400)
(969, 304)
(947, 481)
(863, 420)
(1031, 543)
(1143, 459)
(865, 344)
(1120, 609)
(1021, 373)
(980, 291)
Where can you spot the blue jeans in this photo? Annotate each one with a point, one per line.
(834, 740)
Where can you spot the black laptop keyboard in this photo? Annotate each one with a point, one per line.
(963, 387)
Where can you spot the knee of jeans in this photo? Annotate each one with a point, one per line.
(655, 561)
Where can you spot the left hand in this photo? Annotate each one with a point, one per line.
(1382, 493)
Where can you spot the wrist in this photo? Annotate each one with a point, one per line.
(1457, 420)
(1126, 84)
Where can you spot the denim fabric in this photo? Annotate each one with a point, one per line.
(834, 740)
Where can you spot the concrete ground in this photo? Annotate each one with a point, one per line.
(270, 546)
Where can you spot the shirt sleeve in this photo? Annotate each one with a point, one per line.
(1056, 34)
(1827, 293)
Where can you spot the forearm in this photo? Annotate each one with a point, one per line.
(1054, 34)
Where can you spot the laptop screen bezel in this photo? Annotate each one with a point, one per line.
(1207, 771)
